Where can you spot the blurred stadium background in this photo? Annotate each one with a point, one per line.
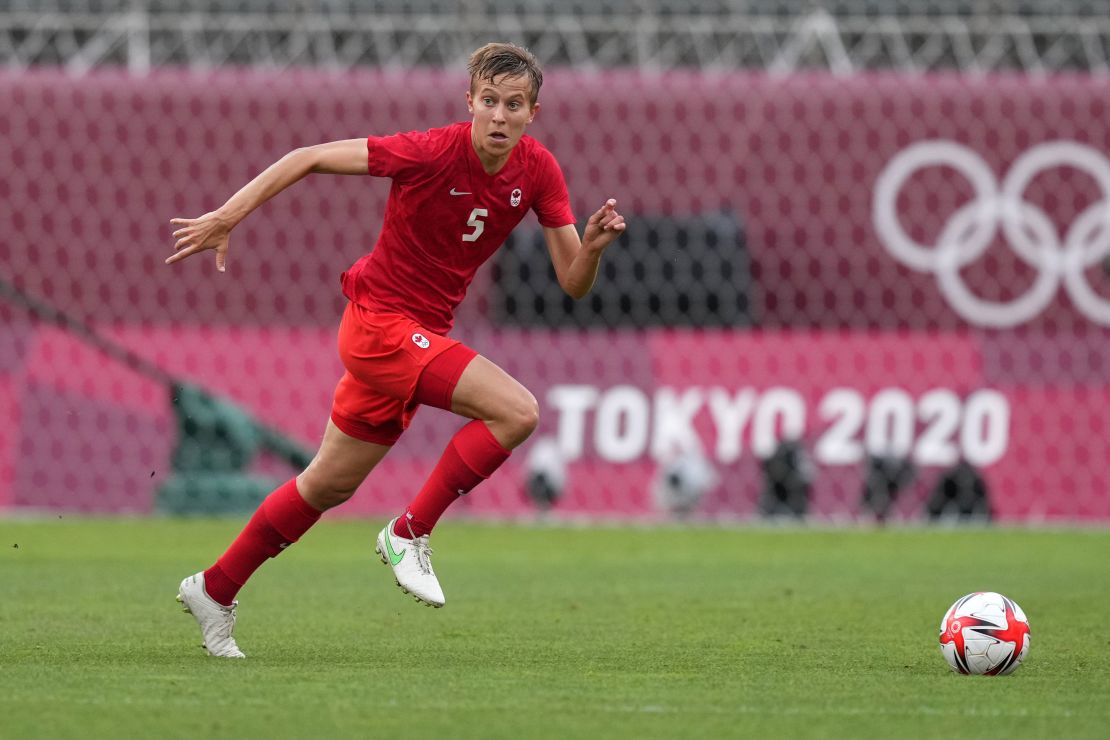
(868, 273)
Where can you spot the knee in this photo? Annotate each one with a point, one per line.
(523, 417)
(324, 492)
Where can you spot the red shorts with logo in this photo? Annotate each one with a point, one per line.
(384, 354)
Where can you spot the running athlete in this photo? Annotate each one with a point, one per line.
(457, 193)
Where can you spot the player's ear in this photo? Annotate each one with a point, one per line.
(469, 102)
(534, 111)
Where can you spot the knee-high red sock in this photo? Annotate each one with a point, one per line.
(279, 522)
(471, 457)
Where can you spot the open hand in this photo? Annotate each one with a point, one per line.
(209, 231)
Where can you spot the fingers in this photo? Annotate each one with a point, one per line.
(606, 209)
(607, 217)
(176, 257)
(195, 236)
(184, 246)
(188, 251)
(181, 253)
(617, 224)
(182, 236)
(604, 226)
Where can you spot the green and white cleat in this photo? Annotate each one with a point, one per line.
(217, 622)
(411, 561)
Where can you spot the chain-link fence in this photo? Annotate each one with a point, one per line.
(875, 293)
(780, 36)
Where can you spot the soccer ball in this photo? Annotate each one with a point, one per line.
(984, 634)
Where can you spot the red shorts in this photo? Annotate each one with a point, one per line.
(384, 354)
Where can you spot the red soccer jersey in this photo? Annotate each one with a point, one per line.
(445, 217)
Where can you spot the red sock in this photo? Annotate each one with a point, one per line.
(471, 457)
(279, 522)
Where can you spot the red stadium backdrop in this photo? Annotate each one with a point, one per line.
(926, 277)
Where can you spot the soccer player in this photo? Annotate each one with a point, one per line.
(457, 193)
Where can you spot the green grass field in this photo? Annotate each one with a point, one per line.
(549, 632)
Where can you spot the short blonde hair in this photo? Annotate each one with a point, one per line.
(504, 60)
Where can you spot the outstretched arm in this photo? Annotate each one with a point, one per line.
(576, 260)
(213, 229)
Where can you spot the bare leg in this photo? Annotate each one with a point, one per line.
(488, 393)
(340, 466)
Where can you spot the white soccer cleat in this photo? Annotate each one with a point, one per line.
(411, 561)
(217, 622)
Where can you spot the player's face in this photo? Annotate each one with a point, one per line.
(502, 110)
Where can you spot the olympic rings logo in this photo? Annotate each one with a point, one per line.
(1027, 229)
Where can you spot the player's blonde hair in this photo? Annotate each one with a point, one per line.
(504, 60)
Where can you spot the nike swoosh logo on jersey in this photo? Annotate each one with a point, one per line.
(456, 192)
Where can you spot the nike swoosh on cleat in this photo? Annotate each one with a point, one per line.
(457, 192)
(394, 558)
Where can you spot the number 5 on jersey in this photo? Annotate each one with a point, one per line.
(475, 221)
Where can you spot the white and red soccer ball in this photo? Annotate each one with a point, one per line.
(984, 634)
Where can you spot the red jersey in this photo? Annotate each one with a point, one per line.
(445, 216)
